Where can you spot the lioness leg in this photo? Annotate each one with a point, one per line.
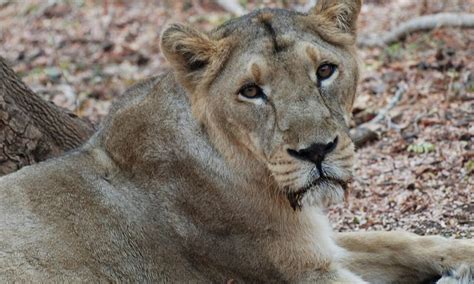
(401, 257)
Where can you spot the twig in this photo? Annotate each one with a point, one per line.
(362, 133)
(232, 6)
(401, 89)
(428, 22)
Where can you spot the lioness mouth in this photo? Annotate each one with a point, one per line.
(295, 197)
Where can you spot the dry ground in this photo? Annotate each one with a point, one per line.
(419, 176)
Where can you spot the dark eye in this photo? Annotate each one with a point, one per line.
(252, 92)
(325, 71)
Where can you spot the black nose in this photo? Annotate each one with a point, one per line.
(314, 153)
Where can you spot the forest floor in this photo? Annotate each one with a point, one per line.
(419, 176)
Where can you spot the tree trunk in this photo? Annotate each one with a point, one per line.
(31, 129)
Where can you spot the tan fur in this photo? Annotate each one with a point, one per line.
(188, 181)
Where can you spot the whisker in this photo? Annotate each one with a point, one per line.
(286, 173)
(278, 163)
(343, 158)
(289, 179)
(343, 165)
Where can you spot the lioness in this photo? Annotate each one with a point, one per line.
(218, 171)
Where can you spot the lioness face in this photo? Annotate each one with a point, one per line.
(279, 86)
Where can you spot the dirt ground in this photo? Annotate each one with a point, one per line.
(419, 175)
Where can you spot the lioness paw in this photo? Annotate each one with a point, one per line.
(464, 274)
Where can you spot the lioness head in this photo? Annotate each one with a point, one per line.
(277, 87)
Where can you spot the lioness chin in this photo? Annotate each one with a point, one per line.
(219, 170)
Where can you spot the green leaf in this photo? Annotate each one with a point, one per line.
(421, 148)
(469, 166)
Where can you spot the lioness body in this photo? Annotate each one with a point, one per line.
(81, 217)
(193, 178)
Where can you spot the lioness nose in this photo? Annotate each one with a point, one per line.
(314, 153)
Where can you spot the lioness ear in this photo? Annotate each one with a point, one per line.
(336, 19)
(192, 54)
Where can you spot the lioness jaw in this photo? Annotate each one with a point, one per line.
(217, 171)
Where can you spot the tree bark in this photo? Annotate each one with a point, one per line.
(31, 129)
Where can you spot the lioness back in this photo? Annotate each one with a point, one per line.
(81, 218)
(42, 207)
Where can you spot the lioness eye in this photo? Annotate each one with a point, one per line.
(325, 71)
(252, 92)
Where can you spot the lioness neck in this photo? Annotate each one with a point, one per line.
(222, 206)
